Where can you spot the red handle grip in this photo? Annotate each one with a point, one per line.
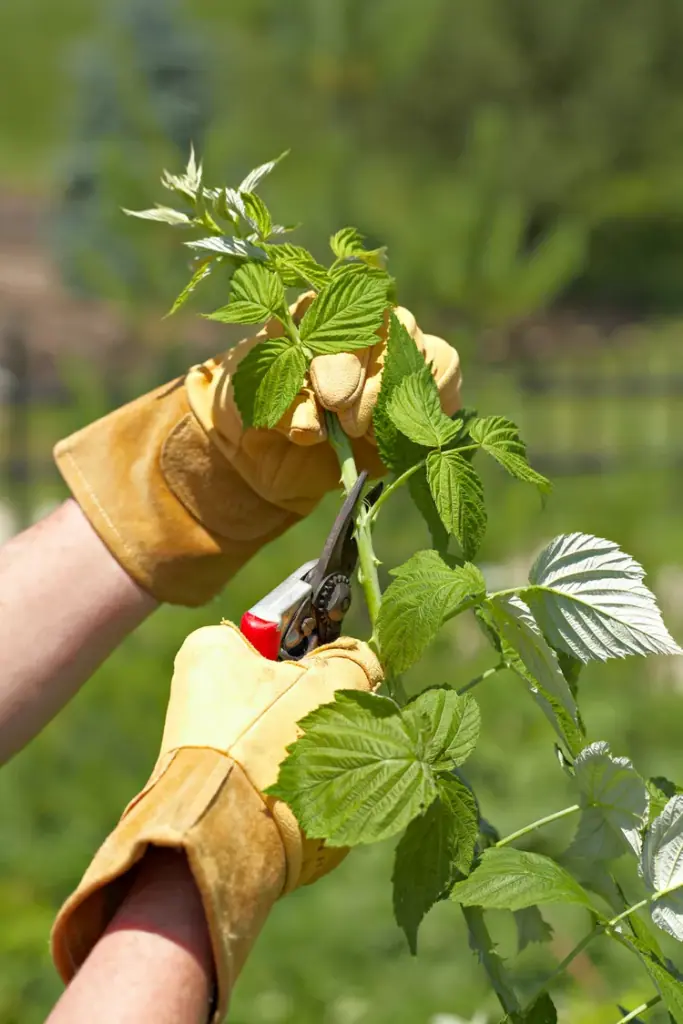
(265, 636)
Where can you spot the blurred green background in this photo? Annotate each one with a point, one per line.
(523, 161)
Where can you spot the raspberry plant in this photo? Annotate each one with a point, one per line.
(371, 766)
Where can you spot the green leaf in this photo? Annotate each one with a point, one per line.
(255, 177)
(257, 214)
(229, 245)
(542, 1012)
(488, 627)
(425, 592)
(531, 927)
(500, 438)
(669, 987)
(363, 769)
(589, 599)
(435, 847)
(660, 791)
(415, 409)
(527, 653)
(296, 267)
(346, 315)
(163, 214)
(509, 879)
(354, 776)
(348, 242)
(571, 669)
(401, 359)
(445, 726)
(203, 270)
(662, 867)
(256, 295)
(418, 488)
(267, 382)
(459, 497)
(614, 801)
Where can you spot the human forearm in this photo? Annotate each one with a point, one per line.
(65, 604)
(154, 962)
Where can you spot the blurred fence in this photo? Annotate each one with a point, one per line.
(582, 411)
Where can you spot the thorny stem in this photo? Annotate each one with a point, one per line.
(538, 824)
(480, 678)
(367, 575)
(482, 942)
(655, 1001)
(474, 916)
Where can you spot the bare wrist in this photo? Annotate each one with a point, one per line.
(164, 899)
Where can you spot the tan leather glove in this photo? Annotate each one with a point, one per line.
(231, 715)
(183, 497)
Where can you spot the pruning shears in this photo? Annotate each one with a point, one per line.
(307, 609)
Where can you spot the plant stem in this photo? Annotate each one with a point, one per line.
(482, 942)
(561, 967)
(631, 910)
(538, 824)
(598, 929)
(480, 679)
(655, 1001)
(391, 488)
(367, 573)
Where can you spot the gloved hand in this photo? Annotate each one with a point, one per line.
(230, 717)
(183, 497)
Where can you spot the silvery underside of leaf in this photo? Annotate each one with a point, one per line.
(615, 802)
(589, 599)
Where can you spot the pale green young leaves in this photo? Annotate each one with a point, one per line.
(205, 267)
(662, 867)
(348, 243)
(426, 591)
(255, 177)
(459, 498)
(187, 184)
(499, 438)
(345, 315)
(589, 599)
(257, 214)
(435, 847)
(614, 801)
(415, 409)
(509, 879)
(257, 294)
(364, 768)
(229, 245)
(161, 214)
(296, 267)
(268, 379)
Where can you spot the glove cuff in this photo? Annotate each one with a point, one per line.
(198, 800)
(170, 507)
